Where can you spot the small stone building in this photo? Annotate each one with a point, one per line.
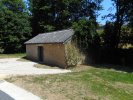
(49, 48)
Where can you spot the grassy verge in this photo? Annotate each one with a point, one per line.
(19, 55)
(88, 84)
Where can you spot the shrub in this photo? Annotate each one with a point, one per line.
(72, 55)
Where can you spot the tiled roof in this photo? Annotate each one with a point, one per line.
(52, 37)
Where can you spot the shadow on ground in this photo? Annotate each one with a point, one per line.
(40, 64)
(127, 69)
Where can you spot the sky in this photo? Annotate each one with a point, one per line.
(107, 8)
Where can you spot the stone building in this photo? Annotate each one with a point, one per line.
(49, 48)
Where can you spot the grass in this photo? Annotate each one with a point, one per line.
(85, 83)
(18, 55)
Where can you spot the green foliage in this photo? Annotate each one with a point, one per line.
(49, 15)
(123, 16)
(124, 11)
(116, 33)
(14, 25)
(126, 35)
(85, 32)
(45, 16)
(52, 15)
(17, 55)
(109, 37)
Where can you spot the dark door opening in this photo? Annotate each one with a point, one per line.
(40, 53)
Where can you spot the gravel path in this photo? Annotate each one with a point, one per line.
(10, 66)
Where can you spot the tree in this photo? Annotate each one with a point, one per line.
(14, 25)
(118, 33)
(52, 15)
(120, 17)
(123, 16)
(130, 15)
(109, 36)
(85, 33)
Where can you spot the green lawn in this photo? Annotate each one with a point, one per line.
(86, 84)
(18, 55)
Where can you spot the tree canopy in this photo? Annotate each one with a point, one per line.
(14, 25)
(49, 15)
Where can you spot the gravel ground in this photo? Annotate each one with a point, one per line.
(10, 66)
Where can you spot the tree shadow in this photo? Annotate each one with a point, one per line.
(41, 63)
(127, 69)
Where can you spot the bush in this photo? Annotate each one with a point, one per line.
(72, 55)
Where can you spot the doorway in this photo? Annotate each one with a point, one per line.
(40, 53)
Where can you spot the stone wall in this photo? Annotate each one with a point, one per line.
(53, 54)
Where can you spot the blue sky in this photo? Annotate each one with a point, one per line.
(106, 10)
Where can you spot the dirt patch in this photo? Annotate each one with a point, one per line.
(80, 68)
(124, 86)
(85, 83)
(55, 89)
